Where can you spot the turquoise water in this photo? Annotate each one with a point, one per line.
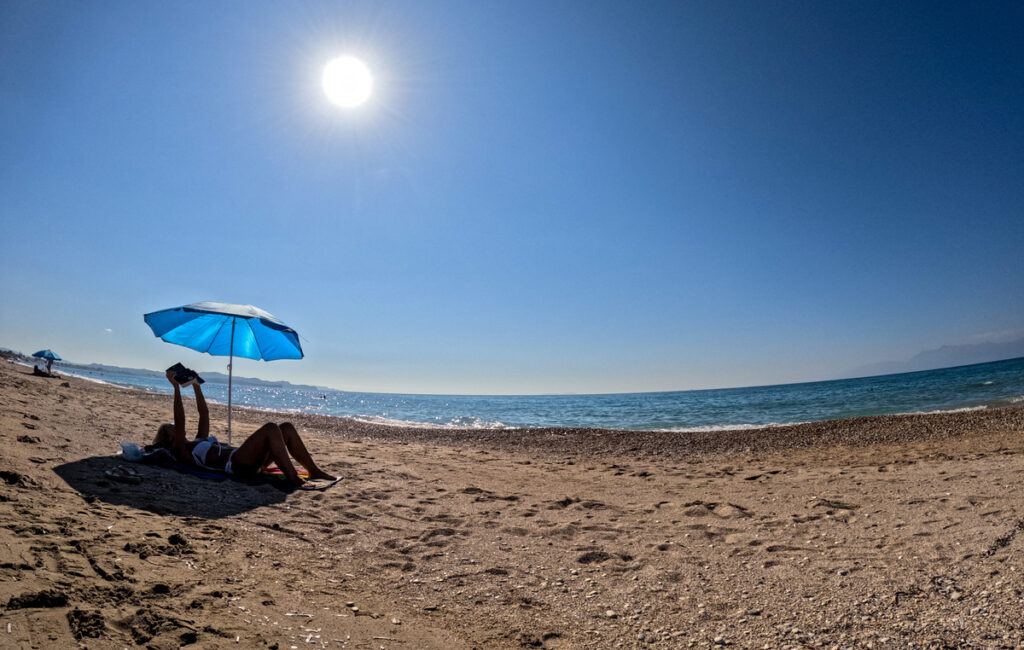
(1000, 383)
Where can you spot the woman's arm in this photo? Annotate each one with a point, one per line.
(204, 413)
(178, 444)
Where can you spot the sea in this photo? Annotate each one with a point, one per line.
(963, 388)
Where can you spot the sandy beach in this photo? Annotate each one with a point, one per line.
(884, 532)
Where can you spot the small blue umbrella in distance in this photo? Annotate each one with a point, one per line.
(228, 330)
(47, 354)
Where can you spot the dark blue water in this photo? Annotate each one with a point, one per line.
(1000, 383)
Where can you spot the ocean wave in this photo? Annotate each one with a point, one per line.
(469, 422)
(280, 410)
(711, 428)
(963, 409)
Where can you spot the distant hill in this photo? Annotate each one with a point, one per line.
(210, 377)
(945, 357)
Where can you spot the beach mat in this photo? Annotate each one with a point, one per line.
(271, 476)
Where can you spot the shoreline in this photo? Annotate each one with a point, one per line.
(858, 430)
(922, 429)
(993, 403)
(889, 531)
(934, 428)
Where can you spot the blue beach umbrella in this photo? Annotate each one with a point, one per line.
(226, 330)
(50, 357)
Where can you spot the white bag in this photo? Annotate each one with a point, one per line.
(131, 452)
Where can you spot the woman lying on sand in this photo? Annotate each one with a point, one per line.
(270, 443)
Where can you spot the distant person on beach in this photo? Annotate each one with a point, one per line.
(272, 442)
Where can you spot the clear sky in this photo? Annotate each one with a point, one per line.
(539, 196)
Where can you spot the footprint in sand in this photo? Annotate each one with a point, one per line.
(16, 479)
(86, 623)
(430, 535)
(597, 556)
(833, 504)
(731, 511)
(451, 520)
(723, 510)
(563, 503)
(697, 509)
(45, 598)
(147, 623)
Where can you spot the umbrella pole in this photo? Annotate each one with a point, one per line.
(231, 360)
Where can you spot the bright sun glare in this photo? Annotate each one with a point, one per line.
(347, 81)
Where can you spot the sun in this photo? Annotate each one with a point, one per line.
(347, 81)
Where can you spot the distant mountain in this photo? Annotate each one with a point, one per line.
(211, 377)
(945, 357)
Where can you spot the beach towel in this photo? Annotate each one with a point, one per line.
(270, 476)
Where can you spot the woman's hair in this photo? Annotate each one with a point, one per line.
(164, 436)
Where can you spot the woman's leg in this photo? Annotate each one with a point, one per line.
(204, 412)
(266, 442)
(299, 452)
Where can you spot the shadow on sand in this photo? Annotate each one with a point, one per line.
(162, 490)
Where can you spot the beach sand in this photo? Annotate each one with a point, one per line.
(876, 532)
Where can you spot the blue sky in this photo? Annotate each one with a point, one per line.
(539, 197)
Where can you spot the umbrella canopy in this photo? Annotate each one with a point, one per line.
(47, 354)
(207, 327)
(229, 330)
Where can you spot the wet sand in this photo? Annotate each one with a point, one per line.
(874, 532)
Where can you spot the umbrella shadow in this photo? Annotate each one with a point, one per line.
(161, 490)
